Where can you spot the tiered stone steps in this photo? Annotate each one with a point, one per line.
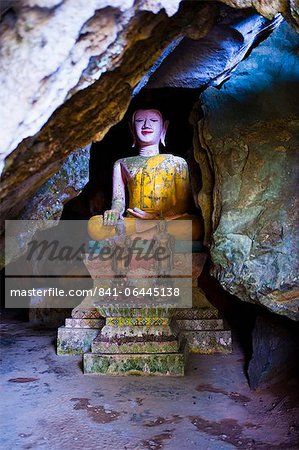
(75, 338)
(204, 330)
(136, 341)
(160, 340)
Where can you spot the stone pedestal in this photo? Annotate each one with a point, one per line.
(133, 337)
(80, 330)
(202, 326)
(136, 341)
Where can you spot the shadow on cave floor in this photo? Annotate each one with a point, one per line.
(274, 338)
(213, 402)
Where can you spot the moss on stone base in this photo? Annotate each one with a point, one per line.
(75, 341)
(135, 347)
(209, 341)
(138, 364)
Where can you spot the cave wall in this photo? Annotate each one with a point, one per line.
(67, 182)
(249, 138)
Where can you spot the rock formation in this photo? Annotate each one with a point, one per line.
(250, 135)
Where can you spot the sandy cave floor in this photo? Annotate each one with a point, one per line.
(47, 403)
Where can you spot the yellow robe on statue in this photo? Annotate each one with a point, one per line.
(159, 185)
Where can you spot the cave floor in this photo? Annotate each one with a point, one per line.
(47, 403)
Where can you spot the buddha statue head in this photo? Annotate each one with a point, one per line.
(148, 127)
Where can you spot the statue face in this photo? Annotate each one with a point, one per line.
(148, 126)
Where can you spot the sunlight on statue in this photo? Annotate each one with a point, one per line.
(158, 184)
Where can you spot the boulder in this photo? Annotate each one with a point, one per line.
(249, 139)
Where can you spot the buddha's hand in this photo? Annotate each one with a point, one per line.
(140, 214)
(111, 217)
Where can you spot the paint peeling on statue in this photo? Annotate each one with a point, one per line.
(158, 184)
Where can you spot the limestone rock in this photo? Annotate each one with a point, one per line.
(197, 63)
(66, 183)
(44, 209)
(250, 134)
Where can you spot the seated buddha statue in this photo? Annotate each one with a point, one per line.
(158, 185)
